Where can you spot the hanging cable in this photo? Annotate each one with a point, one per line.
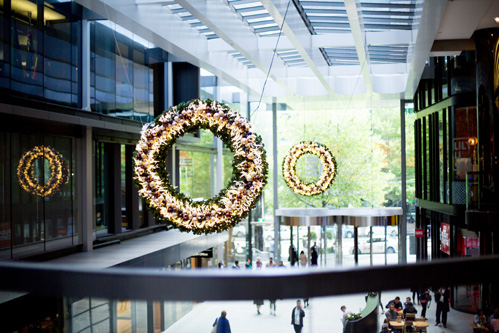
(271, 61)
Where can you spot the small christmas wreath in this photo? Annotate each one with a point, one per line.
(231, 205)
(289, 168)
(58, 171)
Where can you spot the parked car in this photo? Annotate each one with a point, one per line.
(378, 246)
(268, 234)
(391, 230)
(347, 230)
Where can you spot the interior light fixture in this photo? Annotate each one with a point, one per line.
(496, 19)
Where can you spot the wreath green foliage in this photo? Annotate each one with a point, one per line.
(226, 215)
(289, 168)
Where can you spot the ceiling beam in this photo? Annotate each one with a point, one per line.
(431, 17)
(359, 38)
(157, 24)
(295, 29)
(225, 24)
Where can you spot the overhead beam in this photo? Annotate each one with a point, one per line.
(296, 31)
(222, 21)
(431, 17)
(359, 38)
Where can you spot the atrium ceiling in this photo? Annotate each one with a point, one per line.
(312, 47)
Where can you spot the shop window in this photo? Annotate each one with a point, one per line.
(42, 194)
(464, 151)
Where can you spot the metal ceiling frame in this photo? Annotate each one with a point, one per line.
(236, 40)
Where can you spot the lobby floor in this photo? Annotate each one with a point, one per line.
(323, 315)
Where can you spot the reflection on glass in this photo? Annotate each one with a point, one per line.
(121, 81)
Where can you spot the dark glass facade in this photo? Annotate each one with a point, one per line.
(121, 82)
(40, 51)
(455, 170)
(31, 221)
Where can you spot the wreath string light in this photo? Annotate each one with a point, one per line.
(58, 171)
(232, 204)
(289, 168)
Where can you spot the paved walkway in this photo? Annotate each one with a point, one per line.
(323, 315)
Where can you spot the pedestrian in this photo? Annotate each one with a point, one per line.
(221, 324)
(272, 307)
(344, 316)
(297, 317)
(293, 257)
(258, 303)
(271, 263)
(314, 255)
(258, 263)
(281, 264)
(424, 298)
(248, 264)
(380, 303)
(236, 265)
(414, 294)
(303, 259)
(442, 297)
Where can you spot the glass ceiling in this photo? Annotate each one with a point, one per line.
(331, 44)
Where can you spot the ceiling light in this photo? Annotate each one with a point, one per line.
(496, 19)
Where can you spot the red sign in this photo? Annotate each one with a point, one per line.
(445, 238)
(418, 233)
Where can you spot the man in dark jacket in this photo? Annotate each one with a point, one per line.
(396, 304)
(442, 297)
(297, 317)
(222, 323)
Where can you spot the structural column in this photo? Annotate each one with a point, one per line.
(86, 210)
(277, 252)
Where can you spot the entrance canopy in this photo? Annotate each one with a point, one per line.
(359, 217)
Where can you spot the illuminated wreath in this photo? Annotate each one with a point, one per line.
(58, 171)
(289, 168)
(231, 205)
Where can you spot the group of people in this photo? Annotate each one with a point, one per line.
(302, 259)
(487, 324)
(394, 307)
(442, 300)
(221, 324)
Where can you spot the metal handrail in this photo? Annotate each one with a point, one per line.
(228, 284)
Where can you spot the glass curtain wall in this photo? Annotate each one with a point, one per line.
(40, 51)
(369, 171)
(38, 194)
(262, 217)
(121, 80)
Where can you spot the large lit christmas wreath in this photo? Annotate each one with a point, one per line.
(249, 168)
(58, 171)
(326, 178)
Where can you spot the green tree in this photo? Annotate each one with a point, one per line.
(363, 177)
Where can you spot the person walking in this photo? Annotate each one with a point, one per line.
(293, 257)
(424, 298)
(297, 317)
(344, 316)
(314, 255)
(221, 324)
(271, 264)
(303, 259)
(442, 299)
